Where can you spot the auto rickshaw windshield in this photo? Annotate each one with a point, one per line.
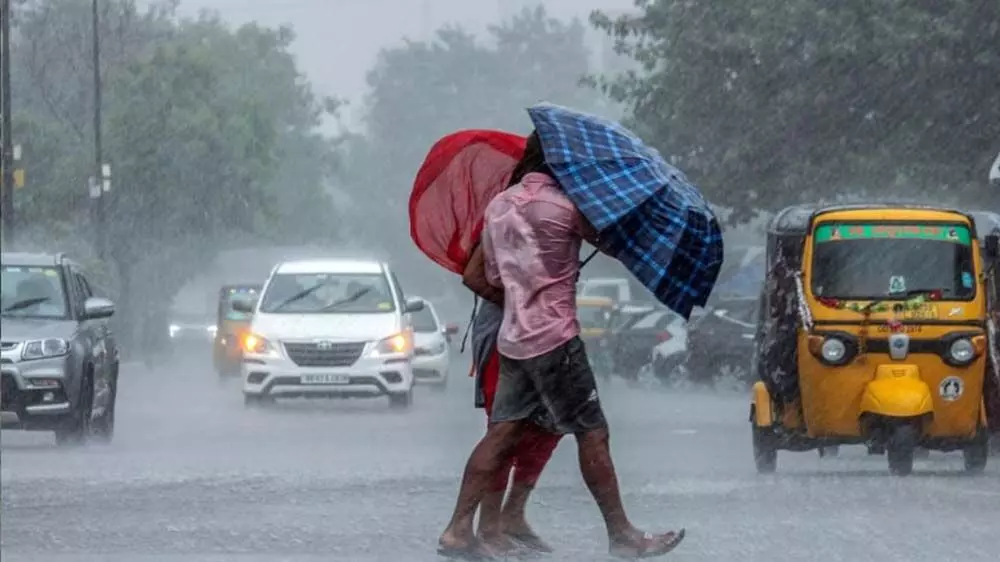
(892, 262)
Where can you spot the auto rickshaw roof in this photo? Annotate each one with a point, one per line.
(797, 219)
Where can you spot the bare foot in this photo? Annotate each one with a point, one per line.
(453, 546)
(636, 545)
(526, 536)
(498, 542)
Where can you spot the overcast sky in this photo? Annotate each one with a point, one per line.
(338, 40)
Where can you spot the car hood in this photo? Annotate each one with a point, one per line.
(21, 329)
(350, 327)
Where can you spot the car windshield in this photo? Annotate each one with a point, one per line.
(893, 262)
(233, 295)
(593, 316)
(327, 293)
(423, 321)
(32, 292)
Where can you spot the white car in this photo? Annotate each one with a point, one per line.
(432, 348)
(327, 329)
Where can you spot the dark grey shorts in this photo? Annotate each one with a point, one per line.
(556, 390)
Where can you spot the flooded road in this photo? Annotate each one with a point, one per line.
(193, 476)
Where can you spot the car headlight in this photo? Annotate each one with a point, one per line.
(397, 344)
(213, 330)
(257, 345)
(174, 328)
(961, 351)
(40, 349)
(833, 350)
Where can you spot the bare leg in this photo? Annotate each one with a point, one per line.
(489, 456)
(531, 455)
(491, 529)
(599, 473)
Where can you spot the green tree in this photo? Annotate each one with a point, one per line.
(211, 133)
(421, 91)
(768, 102)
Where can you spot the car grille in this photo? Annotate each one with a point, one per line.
(335, 355)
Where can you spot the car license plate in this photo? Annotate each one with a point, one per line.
(325, 379)
(924, 312)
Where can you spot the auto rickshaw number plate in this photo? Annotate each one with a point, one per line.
(924, 312)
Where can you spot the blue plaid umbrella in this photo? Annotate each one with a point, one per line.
(652, 219)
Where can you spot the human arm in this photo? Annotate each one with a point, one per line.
(475, 278)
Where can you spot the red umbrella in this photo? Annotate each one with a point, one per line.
(461, 174)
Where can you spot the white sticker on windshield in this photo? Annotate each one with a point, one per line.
(897, 284)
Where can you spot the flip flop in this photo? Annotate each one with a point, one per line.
(651, 546)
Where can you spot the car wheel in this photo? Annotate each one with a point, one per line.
(831, 451)
(257, 401)
(401, 401)
(77, 428)
(104, 427)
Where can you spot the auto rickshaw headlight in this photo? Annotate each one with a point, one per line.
(961, 351)
(833, 351)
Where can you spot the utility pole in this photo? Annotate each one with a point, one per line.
(7, 199)
(101, 181)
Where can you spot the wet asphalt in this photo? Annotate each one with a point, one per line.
(194, 476)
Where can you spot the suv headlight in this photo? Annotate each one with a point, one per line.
(397, 344)
(961, 351)
(40, 349)
(833, 350)
(257, 345)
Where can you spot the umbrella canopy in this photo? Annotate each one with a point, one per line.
(460, 176)
(651, 218)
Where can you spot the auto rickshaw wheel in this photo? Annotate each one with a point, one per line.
(901, 447)
(831, 451)
(977, 453)
(765, 455)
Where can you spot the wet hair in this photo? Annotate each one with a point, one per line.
(532, 161)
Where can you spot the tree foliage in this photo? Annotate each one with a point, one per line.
(211, 134)
(423, 90)
(768, 102)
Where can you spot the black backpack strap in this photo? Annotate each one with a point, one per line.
(472, 319)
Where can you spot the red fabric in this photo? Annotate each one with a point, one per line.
(459, 177)
(534, 449)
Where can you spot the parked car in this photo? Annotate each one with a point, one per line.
(644, 336)
(327, 329)
(58, 357)
(721, 343)
(432, 347)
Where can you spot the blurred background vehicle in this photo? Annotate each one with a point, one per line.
(646, 336)
(431, 346)
(232, 326)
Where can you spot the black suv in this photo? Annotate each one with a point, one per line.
(59, 360)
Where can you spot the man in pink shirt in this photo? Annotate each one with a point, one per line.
(531, 246)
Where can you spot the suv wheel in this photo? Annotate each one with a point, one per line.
(77, 428)
(401, 401)
(104, 427)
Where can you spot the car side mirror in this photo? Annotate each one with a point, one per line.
(450, 329)
(244, 305)
(414, 305)
(95, 308)
(993, 246)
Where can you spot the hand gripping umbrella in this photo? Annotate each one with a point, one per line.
(649, 216)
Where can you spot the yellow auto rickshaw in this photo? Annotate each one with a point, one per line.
(594, 314)
(874, 332)
(230, 327)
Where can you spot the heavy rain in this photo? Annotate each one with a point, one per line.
(235, 325)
